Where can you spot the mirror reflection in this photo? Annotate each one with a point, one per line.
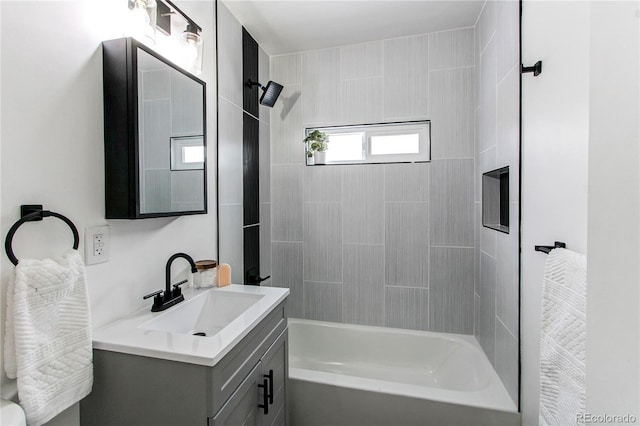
(172, 138)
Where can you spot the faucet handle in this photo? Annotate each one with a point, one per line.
(177, 291)
(177, 285)
(155, 293)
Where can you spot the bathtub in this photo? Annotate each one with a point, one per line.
(342, 374)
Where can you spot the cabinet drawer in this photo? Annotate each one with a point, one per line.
(230, 372)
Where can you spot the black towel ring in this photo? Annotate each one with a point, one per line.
(35, 213)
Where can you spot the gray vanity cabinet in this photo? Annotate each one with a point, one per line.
(136, 390)
(247, 404)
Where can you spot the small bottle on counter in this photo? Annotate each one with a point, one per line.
(206, 275)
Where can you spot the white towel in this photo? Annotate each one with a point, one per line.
(48, 335)
(563, 338)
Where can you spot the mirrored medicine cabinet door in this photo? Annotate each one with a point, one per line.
(155, 134)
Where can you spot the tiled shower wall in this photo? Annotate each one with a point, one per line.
(230, 145)
(388, 245)
(498, 145)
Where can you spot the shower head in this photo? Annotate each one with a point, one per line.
(270, 92)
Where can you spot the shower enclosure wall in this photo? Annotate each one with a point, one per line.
(393, 245)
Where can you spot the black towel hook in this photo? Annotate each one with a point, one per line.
(32, 213)
(547, 249)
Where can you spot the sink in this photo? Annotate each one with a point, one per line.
(201, 330)
(205, 315)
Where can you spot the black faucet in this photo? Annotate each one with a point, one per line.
(167, 298)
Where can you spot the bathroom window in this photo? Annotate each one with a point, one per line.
(405, 142)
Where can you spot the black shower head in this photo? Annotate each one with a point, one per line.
(270, 93)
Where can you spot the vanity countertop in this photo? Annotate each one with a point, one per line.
(134, 335)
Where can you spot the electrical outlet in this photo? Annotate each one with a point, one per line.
(96, 244)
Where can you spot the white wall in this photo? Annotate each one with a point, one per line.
(581, 179)
(52, 146)
(555, 131)
(614, 215)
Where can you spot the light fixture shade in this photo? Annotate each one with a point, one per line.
(142, 18)
(192, 49)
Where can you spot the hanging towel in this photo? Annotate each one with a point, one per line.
(48, 335)
(563, 338)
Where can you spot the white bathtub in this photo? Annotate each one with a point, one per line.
(342, 374)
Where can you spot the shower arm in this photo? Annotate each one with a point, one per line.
(254, 83)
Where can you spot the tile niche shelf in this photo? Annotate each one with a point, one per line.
(495, 199)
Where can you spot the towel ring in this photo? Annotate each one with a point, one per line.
(34, 213)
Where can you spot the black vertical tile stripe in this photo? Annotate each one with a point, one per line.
(250, 170)
(250, 72)
(251, 253)
(250, 158)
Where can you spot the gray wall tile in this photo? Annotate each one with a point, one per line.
(322, 242)
(186, 106)
(265, 239)
(406, 182)
(507, 360)
(508, 34)
(403, 307)
(361, 60)
(451, 203)
(451, 49)
(361, 101)
(320, 86)
(451, 290)
(487, 291)
(507, 272)
(407, 244)
(508, 120)
(156, 134)
(287, 131)
(287, 69)
(286, 206)
(486, 25)
(323, 301)
(424, 314)
(406, 77)
(363, 204)
(487, 110)
(451, 95)
(264, 113)
(231, 240)
(287, 272)
(363, 291)
(323, 184)
(486, 163)
(229, 61)
(230, 153)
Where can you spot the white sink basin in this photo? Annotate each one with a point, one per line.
(208, 313)
(225, 315)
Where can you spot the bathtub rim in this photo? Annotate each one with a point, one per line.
(493, 397)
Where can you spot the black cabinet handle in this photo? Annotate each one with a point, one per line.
(270, 377)
(265, 396)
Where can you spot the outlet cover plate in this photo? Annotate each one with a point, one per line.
(96, 244)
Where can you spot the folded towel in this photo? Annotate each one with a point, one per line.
(48, 335)
(563, 338)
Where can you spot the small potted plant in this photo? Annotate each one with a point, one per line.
(317, 145)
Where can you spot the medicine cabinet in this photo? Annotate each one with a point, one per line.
(154, 134)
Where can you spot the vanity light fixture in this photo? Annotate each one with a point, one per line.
(190, 39)
(142, 18)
